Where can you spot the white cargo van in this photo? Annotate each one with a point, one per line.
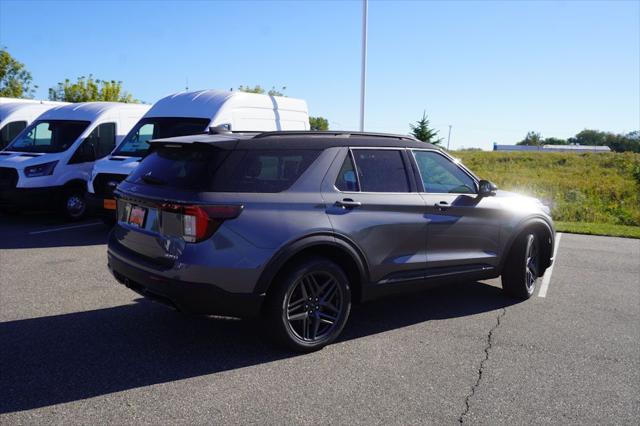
(49, 163)
(188, 113)
(16, 114)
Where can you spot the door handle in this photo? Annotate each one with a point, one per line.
(348, 203)
(442, 206)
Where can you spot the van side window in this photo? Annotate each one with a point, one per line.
(10, 131)
(105, 139)
(347, 180)
(100, 142)
(381, 170)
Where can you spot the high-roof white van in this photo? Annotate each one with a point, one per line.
(188, 113)
(49, 162)
(16, 114)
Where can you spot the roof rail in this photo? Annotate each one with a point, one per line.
(336, 133)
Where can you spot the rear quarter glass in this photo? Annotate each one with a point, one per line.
(216, 170)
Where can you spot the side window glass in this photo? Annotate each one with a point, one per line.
(40, 135)
(144, 134)
(381, 170)
(105, 135)
(440, 175)
(346, 180)
(10, 131)
(100, 142)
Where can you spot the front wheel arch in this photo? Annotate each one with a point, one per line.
(545, 234)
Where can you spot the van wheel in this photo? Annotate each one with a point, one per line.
(309, 304)
(74, 204)
(522, 267)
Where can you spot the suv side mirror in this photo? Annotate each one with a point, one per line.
(487, 188)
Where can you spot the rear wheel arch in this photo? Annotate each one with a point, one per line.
(326, 246)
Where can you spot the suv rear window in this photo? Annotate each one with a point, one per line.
(217, 170)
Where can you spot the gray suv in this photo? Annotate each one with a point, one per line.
(297, 226)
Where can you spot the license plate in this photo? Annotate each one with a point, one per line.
(137, 216)
(109, 204)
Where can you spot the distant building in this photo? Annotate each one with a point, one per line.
(552, 148)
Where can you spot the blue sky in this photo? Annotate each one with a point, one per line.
(493, 70)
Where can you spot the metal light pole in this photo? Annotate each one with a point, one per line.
(363, 75)
(449, 137)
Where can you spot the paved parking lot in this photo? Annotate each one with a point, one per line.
(76, 347)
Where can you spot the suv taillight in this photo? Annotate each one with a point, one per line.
(201, 222)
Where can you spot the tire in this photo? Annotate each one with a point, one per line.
(522, 267)
(308, 325)
(74, 203)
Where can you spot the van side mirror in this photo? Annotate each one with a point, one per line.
(487, 188)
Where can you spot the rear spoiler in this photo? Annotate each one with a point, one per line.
(222, 142)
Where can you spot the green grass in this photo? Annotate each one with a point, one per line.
(599, 229)
(588, 193)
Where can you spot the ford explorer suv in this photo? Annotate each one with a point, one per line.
(297, 226)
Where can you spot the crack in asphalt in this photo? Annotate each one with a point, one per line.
(467, 400)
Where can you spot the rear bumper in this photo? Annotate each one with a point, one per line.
(30, 197)
(197, 298)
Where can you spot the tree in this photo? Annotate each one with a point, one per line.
(259, 90)
(423, 132)
(532, 138)
(590, 137)
(90, 90)
(15, 79)
(617, 142)
(318, 123)
(554, 141)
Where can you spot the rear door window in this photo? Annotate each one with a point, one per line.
(381, 170)
(219, 170)
(346, 180)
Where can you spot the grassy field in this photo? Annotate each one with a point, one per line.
(589, 193)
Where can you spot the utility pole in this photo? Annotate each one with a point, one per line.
(449, 137)
(363, 75)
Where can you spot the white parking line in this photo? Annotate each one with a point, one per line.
(64, 228)
(547, 276)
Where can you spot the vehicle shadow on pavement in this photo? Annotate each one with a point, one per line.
(42, 230)
(64, 358)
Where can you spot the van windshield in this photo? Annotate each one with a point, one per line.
(48, 136)
(136, 143)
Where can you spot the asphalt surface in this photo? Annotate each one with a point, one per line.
(76, 347)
